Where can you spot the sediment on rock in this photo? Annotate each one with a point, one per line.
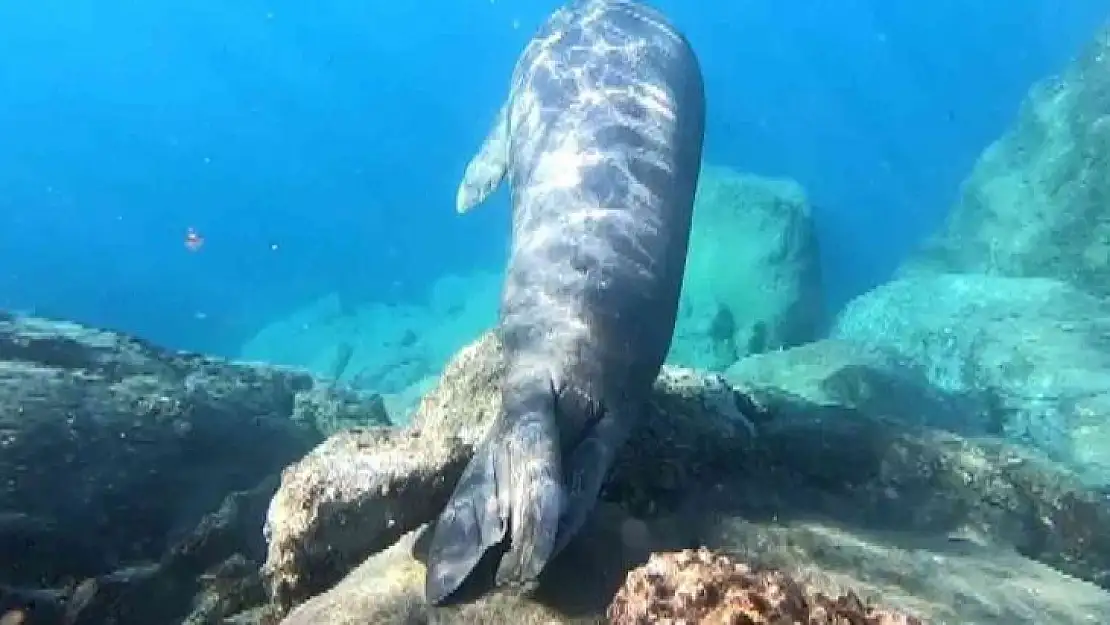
(772, 453)
(97, 427)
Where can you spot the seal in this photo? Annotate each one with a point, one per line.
(600, 139)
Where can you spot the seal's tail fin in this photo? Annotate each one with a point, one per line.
(512, 489)
(586, 470)
(469, 525)
(535, 498)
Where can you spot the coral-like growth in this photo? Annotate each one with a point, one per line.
(711, 589)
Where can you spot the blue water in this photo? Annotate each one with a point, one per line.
(317, 146)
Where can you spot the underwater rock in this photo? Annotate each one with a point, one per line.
(227, 589)
(210, 573)
(352, 496)
(384, 348)
(937, 579)
(332, 409)
(876, 471)
(360, 491)
(708, 458)
(752, 280)
(389, 586)
(111, 448)
(1032, 355)
(699, 586)
(1035, 205)
(942, 580)
(873, 380)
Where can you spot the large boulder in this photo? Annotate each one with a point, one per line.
(1037, 203)
(869, 378)
(206, 574)
(389, 348)
(112, 449)
(742, 466)
(1031, 355)
(752, 279)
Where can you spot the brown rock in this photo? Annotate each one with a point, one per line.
(707, 588)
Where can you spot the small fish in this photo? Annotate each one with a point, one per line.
(193, 240)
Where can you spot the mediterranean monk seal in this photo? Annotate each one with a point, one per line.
(601, 140)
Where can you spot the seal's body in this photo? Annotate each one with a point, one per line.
(601, 139)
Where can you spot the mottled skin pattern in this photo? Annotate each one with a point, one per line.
(601, 140)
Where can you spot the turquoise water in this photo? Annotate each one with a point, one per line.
(316, 149)
(891, 361)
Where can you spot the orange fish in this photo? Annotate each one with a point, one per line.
(193, 240)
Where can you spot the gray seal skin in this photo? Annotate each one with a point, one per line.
(601, 141)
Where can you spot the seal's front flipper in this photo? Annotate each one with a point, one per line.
(512, 489)
(469, 526)
(587, 468)
(486, 170)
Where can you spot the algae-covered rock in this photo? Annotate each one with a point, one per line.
(1037, 203)
(361, 490)
(873, 471)
(388, 587)
(331, 408)
(209, 573)
(937, 579)
(351, 497)
(947, 578)
(381, 346)
(709, 458)
(111, 448)
(752, 280)
(1031, 355)
(873, 380)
